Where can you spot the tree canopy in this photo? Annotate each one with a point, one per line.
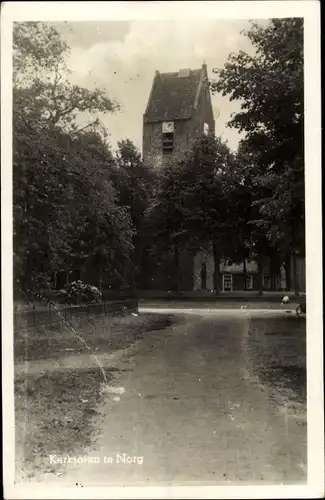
(269, 87)
(78, 203)
(66, 206)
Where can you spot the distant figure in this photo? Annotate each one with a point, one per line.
(285, 300)
(301, 309)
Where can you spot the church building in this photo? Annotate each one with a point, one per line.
(179, 110)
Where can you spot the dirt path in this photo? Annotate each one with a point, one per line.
(190, 409)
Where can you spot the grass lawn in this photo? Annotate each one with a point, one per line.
(101, 333)
(275, 352)
(57, 386)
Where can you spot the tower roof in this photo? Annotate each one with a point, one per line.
(173, 95)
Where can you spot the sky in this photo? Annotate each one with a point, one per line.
(121, 57)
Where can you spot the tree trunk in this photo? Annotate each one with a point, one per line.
(138, 261)
(99, 280)
(203, 276)
(245, 273)
(260, 261)
(272, 274)
(176, 263)
(287, 269)
(145, 270)
(295, 278)
(216, 273)
(132, 276)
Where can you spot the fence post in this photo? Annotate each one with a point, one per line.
(105, 308)
(65, 312)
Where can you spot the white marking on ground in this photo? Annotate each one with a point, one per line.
(114, 390)
(212, 312)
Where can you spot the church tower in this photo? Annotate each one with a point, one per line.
(179, 110)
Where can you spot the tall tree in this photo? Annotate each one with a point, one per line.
(133, 183)
(65, 206)
(208, 186)
(165, 220)
(41, 81)
(106, 239)
(269, 86)
(193, 208)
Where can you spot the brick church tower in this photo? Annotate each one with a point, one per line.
(179, 110)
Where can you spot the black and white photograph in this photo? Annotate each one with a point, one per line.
(162, 234)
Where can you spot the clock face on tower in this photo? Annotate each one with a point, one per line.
(167, 127)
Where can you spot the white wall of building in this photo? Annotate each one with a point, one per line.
(251, 267)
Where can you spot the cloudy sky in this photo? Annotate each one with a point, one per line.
(121, 57)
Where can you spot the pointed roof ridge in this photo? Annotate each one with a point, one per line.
(177, 72)
(173, 95)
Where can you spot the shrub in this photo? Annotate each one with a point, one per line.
(78, 292)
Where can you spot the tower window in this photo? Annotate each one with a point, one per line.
(168, 142)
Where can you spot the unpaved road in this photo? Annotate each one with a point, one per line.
(192, 410)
